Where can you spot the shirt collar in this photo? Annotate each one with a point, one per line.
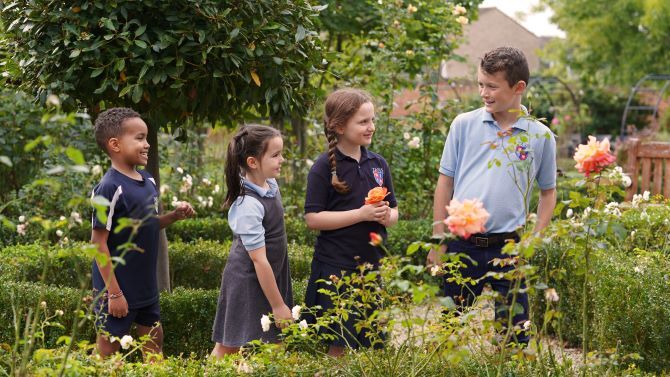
(270, 192)
(364, 155)
(520, 124)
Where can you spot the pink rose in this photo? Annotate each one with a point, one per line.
(466, 218)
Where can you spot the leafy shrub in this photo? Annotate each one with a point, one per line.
(187, 314)
(628, 301)
(193, 265)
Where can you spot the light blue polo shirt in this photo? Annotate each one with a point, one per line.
(468, 152)
(245, 216)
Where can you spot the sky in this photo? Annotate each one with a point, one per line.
(521, 10)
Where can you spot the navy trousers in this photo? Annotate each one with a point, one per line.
(464, 295)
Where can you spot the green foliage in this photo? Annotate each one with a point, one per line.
(206, 59)
(193, 265)
(19, 125)
(628, 278)
(613, 42)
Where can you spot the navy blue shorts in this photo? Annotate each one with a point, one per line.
(147, 316)
(349, 336)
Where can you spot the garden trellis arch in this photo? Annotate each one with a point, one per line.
(648, 84)
(543, 82)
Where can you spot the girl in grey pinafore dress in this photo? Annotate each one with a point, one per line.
(241, 300)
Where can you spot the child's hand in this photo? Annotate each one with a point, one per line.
(117, 307)
(387, 217)
(374, 212)
(184, 210)
(434, 256)
(282, 316)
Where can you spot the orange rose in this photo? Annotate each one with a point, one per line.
(375, 239)
(376, 195)
(594, 156)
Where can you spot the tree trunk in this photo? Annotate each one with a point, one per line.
(163, 266)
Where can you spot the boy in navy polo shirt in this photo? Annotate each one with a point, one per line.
(130, 290)
(475, 140)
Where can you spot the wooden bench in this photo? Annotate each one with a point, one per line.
(649, 167)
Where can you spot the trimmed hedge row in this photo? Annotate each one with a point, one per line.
(187, 314)
(192, 265)
(217, 229)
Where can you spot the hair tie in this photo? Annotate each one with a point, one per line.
(334, 173)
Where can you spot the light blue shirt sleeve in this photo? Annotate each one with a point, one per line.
(245, 218)
(546, 175)
(450, 152)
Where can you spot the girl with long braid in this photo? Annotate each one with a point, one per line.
(335, 204)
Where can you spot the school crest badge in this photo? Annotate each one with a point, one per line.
(378, 173)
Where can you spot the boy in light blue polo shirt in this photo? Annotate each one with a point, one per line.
(479, 161)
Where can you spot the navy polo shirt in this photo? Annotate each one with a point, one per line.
(341, 247)
(131, 199)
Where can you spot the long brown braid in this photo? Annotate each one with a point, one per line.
(340, 106)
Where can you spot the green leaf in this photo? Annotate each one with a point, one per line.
(120, 65)
(125, 90)
(277, 60)
(140, 30)
(413, 247)
(137, 94)
(300, 34)
(32, 144)
(140, 43)
(96, 72)
(55, 170)
(143, 71)
(5, 160)
(234, 33)
(75, 155)
(75, 53)
(109, 24)
(448, 302)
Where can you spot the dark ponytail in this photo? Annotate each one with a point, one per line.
(340, 106)
(250, 141)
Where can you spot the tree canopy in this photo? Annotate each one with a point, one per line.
(170, 60)
(613, 41)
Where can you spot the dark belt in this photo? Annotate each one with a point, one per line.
(492, 239)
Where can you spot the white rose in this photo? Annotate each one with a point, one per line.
(126, 342)
(551, 295)
(302, 325)
(626, 181)
(414, 143)
(406, 135)
(96, 170)
(76, 217)
(265, 323)
(59, 233)
(568, 214)
(22, 218)
(295, 312)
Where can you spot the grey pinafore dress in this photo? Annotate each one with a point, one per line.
(241, 300)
